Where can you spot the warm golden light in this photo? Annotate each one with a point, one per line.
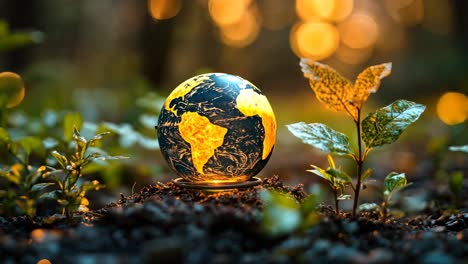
(332, 10)
(405, 12)
(359, 31)
(44, 261)
(11, 89)
(452, 108)
(38, 235)
(315, 40)
(342, 9)
(241, 33)
(352, 56)
(227, 12)
(307, 9)
(164, 9)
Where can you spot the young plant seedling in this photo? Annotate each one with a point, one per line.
(71, 192)
(336, 178)
(338, 93)
(393, 183)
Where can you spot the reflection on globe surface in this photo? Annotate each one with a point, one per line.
(216, 128)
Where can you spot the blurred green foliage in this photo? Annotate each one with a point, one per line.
(10, 41)
(283, 214)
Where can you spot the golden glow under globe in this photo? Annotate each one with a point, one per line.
(452, 108)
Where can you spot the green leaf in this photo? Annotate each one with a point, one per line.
(386, 124)
(339, 174)
(41, 186)
(321, 173)
(11, 177)
(4, 137)
(366, 174)
(321, 137)
(61, 159)
(459, 148)
(394, 182)
(71, 122)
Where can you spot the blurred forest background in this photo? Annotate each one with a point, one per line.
(115, 61)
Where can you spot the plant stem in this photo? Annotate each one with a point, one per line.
(359, 162)
(384, 211)
(337, 208)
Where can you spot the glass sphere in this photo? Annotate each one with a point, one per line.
(216, 128)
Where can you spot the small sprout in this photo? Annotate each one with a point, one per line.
(379, 128)
(336, 178)
(393, 183)
(71, 192)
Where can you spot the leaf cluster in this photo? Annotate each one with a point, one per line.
(71, 193)
(378, 128)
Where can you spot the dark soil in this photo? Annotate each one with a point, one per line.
(166, 224)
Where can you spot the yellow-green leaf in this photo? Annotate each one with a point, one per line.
(338, 93)
(368, 81)
(329, 87)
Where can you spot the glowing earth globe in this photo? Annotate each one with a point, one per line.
(216, 128)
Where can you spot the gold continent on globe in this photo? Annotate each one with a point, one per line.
(216, 128)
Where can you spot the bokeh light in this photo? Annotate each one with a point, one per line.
(38, 235)
(452, 108)
(227, 12)
(164, 9)
(314, 39)
(243, 32)
(331, 10)
(359, 31)
(12, 87)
